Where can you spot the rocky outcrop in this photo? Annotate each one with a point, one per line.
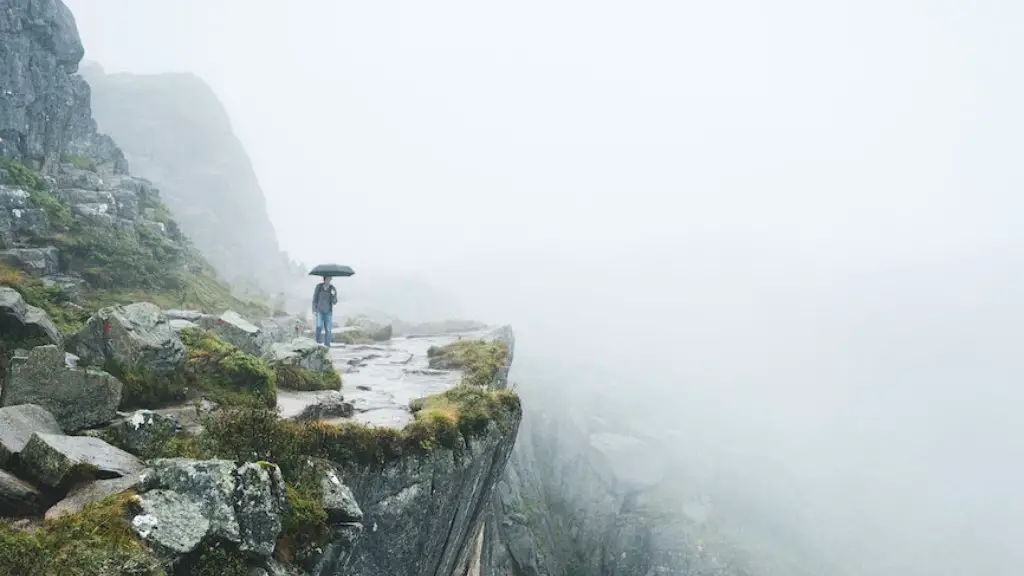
(301, 352)
(79, 398)
(20, 322)
(327, 406)
(175, 132)
(137, 335)
(44, 109)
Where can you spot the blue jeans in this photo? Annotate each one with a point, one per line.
(323, 322)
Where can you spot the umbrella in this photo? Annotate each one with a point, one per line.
(332, 270)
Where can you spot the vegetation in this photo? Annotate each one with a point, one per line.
(213, 369)
(96, 541)
(479, 361)
(67, 316)
(294, 377)
(17, 174)
(80, 162)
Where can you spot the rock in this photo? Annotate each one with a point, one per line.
(78, 398)
(211, 481)
(177, 324)
(143, 433)
(259, 502)
(339, 501)
(19, 423)
(71, 287)
(52, 459)
(17, 497)
(189, 315)
(302, 352)
(234, 329)
(241, 505)
(134, 335)
(35, 261)
(327, 406)
(87, 493)
(21, 322)
(174, 524)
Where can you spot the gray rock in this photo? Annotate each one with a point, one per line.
(35, 261)
(234, 329)
(19, 423)
(189, 315)
(177, 324)
(19, 321)
(78, 398)
(328, 405)
(302, 352)
(174, 524)
(17, 497)
(144, 432)
(339, 501)
(134, 335)
(86, 493)
(71, 287)
(51, 459)
(258, 499)
(211, 481)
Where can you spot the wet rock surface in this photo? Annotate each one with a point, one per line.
(78, 398)
(327, 406)
(17, 497)
(381, 379)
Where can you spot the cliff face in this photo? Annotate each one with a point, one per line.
(175, 132)
(44, 108)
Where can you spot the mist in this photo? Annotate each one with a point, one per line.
(786, 234)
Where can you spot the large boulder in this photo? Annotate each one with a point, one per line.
(17, 497)
(52, 459)
(143, 433)
(327, 406)
(19, 423)
(301, 352)
(79, 398)
(234, 329)
(137, 335)
(20, 322)
(188, 502)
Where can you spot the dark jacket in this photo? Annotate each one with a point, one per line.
(324, 302)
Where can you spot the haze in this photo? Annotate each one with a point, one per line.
(789, 230)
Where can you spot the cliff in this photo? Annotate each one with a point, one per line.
(148, 429)
(175, 132)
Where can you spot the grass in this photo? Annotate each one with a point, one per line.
(479, 361)
(294, 377)
(97, 541)
(68, 318)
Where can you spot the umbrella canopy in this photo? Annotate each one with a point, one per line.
(332, 270)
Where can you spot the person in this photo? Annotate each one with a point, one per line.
(325, 297)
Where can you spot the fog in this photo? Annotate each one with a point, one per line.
(787, 230)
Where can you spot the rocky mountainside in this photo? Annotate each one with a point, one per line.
(176, 133)
(142, 431)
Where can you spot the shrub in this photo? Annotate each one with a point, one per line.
(294, 377)
(479, 361)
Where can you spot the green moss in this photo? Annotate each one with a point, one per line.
(225, 373)
(305, 523)
(293, 377)
(80, 162)
(96, 541)
(480, 361)
(470, 407)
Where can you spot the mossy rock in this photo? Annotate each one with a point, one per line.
(479, 361)
(97, 541)
(352, 337)
(294, 377)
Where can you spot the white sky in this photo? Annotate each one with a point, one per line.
(398, 133)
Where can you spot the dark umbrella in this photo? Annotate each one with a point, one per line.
(332, 270)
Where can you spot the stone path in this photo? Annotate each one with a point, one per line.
(381, 379)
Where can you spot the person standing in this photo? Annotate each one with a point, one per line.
(325, 296)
